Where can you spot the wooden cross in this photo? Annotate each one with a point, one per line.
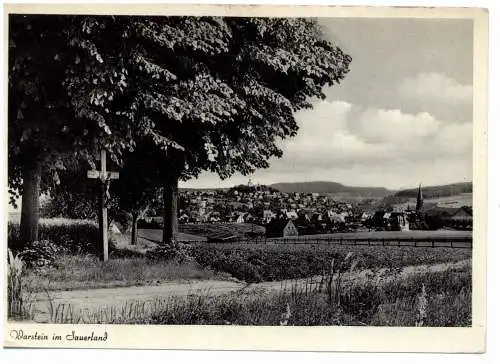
(105, 178)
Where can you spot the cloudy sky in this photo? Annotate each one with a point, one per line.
(403, 115)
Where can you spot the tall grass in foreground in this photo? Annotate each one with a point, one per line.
(445, 301)
(19, 295)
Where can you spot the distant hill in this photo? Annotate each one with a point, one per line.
(331, 188)
(435, 194)
(190, 189)
(438, 191)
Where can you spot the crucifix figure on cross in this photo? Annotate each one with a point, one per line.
(105, 177)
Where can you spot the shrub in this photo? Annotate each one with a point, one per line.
(177, 252)
(41, 254)
(75, 236)
(70, 204)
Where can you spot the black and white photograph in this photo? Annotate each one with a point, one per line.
(234, 170)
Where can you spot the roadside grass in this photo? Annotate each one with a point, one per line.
(419, 299)
(87, 271)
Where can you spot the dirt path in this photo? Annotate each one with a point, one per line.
(95, 299)
(105, 298)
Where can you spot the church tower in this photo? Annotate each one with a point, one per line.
(420, 199)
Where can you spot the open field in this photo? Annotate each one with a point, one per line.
(456, 201)
(396, 235)
(222, 230)
(204, 232)
(417, 238)
(464, 199)
(255, 263)
(157, 234)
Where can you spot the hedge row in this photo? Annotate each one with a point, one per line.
(74, 235)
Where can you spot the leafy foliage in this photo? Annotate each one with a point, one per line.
(41, 254)
(135, 191)
(52, 111)
(192, 94)
(209, 93)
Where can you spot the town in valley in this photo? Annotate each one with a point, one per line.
(255, 211)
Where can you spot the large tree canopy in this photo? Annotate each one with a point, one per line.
(216, 94)
(49, 124)
(198, 93)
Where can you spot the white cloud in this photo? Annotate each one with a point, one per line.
(393, 126)
(340, 134)
(342, 142)
(455, 140)
(435, 87)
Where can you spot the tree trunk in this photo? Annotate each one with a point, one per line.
(170, 211)
(134, 228)
(30, 210)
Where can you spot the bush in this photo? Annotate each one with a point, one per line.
(41, 254)
(75, 236)
(177, 252)
(70, 204)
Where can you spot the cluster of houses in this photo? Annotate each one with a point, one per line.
(308, 212)
(291, 214)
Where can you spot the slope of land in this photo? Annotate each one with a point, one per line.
(438, 191)
(451, 195)
(331, 187)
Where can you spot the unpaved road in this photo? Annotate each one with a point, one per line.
(104, 298)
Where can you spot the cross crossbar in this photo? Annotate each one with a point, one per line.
(103, 175)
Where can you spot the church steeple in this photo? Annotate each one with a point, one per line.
(420, 199)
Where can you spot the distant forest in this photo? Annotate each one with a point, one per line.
(438, 191)
(427, 192)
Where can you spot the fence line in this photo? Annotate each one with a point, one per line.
(438, 242)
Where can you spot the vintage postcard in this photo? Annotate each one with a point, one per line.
(245, 177)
